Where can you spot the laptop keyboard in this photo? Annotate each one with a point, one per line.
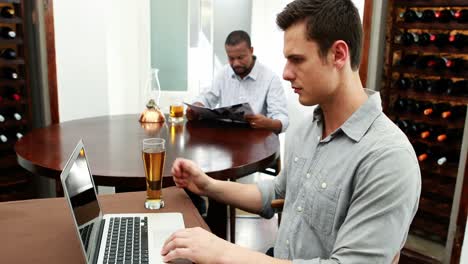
(127, 241)
(85, 233)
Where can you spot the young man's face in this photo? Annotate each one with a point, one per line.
(240, 58)
(312, 77)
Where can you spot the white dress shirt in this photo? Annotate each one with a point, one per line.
(261, 88)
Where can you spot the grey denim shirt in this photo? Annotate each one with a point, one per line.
(350, 197)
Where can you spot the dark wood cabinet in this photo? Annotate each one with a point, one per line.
(15, 100)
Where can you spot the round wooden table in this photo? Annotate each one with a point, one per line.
(113, 146)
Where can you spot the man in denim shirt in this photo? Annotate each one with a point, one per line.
(351, 181)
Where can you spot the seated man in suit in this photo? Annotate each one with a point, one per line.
(245, 79)
(351, 180)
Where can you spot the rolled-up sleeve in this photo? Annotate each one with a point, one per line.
(268, 193)
(276, 103)
(272, 189)
(212, 95)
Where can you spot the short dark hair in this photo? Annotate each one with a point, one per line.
(326, 22)
(236, 37)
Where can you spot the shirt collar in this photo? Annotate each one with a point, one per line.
(253, 74)
(361, 120)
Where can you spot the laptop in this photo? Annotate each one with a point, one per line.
(112, 238)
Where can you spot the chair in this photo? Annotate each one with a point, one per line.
(279, 203)
(273, 170)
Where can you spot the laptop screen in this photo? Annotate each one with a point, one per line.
(82, 198)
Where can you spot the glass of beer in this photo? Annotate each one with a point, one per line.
(176, 112)
(154, 154)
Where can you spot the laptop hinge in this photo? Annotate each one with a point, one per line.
(98, 241)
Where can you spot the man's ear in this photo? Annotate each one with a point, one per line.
(251, 50)
(340, 52)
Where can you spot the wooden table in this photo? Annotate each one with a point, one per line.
(41, 231)
(113, 146)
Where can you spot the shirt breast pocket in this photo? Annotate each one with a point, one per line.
(321, 204)
(296, 166)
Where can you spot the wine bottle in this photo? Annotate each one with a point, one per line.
(421, 106)
(458, 40)
(440, 40)
(440, 86)
(455, 64)
(430, 109)
(450, 135)
(404, 105)
(424, 39)
(17, 116)
(10, 73)
(7, 12)
(3, 138)
(416, 129)
(422, 151)
(19, 135)
(420, 85)
(461, 16)
(443, 158)
(2, 118)
(430, 132)
(15, 96)
(408, 60)
(407, 38)
(403, 125)
(453, 112)
(459, 88)
(11, 93)
(403, 83)
(435, 63)
(444, 16)
(428, 16)
(410, 16)
(8, 33)
(422, 62)
(9, 54)
(430, 86)
(439, 108)
(400, 105)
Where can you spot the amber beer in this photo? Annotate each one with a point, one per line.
(154, 154)
(176, 112)
(154, 166)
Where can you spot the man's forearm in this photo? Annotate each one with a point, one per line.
(276, 125)
(244, 196)
(242, 255)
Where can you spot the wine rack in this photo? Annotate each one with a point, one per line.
(15, 101)
(425, 92)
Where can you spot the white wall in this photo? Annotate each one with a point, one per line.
(81, 51)
(229, 15)
(127, 49)
(101, 56)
